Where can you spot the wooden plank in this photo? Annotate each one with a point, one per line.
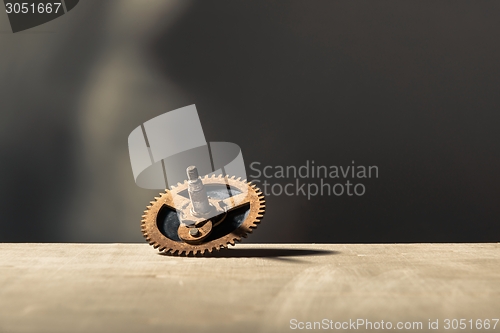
(249, 288)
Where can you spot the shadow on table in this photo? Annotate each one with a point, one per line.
(265, 253)
(268, 253)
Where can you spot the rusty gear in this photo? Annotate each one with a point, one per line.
(163, 229)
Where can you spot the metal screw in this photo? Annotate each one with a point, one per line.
(197, 193)
(192, 173)
(194, 232)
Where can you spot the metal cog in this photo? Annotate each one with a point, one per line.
(253, 200)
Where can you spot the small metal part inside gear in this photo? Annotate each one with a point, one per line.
(163, 229)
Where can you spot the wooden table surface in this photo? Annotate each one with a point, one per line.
(248, 288)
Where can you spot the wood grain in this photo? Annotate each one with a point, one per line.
(249, 288)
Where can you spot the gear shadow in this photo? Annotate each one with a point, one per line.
(272, 253)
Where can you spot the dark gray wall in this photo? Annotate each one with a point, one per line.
(409, 86)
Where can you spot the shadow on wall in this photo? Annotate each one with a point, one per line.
(73, 90)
